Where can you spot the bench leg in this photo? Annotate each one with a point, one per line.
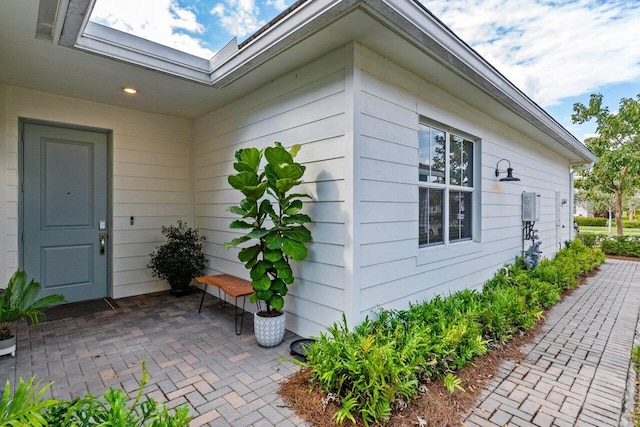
(244, 301)
(204, 292)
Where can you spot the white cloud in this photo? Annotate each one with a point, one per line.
(238, 17)
(550, 49)
(161, 21)
(279, 5)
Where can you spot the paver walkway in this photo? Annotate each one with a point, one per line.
(575, 373)
(576, 370)
(192, 358)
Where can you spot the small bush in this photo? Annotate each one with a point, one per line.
(591, 240)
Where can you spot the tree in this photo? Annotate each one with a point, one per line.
(618, 148)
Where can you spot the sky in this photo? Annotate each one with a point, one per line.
(557, 52)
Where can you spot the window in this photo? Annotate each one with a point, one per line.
(446, 186)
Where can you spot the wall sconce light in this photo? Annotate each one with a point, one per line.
(509, 171)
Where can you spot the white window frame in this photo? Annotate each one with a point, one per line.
(475, 191)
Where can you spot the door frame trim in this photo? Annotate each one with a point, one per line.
(109, 134)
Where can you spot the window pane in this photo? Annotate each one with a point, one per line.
(431, 162)
(460, 161)
(431, 205)
(460, 215)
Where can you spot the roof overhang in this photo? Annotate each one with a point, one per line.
(401, 30)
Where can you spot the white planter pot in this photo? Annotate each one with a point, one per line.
(269, 330)
(8, 346)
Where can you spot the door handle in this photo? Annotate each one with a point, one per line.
(102, 237)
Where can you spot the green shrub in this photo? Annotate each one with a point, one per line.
(24, 407)
(621, 245)
(590, 222)
(117, 409)
(384, 360)
(591, 240)
(603, 222)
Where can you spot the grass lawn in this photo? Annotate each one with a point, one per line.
(605, 230)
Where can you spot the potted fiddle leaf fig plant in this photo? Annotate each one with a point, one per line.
(275, 230)
(180, 259)
(18, 301)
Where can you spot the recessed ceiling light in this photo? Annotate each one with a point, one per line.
(130, 90)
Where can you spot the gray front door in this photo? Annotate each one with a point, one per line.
(64, 210)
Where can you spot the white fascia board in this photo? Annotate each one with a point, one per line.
(116, 44)
(432, 37)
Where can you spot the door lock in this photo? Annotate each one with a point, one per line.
(102, 237)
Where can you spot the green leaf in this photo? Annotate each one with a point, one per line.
(270, 174)
(299, 234)
(277, 302)
(257, 234)
(290, 171)
(235, 242)
(267, 207)
(294, 149)
(278, 286)
(247, 254)
(273, 255)
(237, 210)
(261, 284)
(296, 196)
(277, 155)
(296, 250)
(251, 263)
(285, 184)
(273, 240)
(243, 167)
(296, 219)
(243, 179)
(238, 224)
(260, 269)
(281, 263)
(285, 274)
(264, 295)
(254, 192)
(293, 208)
(251, 156)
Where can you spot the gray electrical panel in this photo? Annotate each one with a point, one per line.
(530, 207)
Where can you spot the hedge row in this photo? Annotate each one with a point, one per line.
(603, 222)
(613, 245)
(590, 222)
(384, 363)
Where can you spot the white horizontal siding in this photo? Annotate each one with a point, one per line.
(394, 270)
(306, 106)
(150, 177)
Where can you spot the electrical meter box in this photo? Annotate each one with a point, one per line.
(530, 207)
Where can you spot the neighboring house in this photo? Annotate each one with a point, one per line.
(402, 127)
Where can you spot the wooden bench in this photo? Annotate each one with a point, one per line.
(233, 286)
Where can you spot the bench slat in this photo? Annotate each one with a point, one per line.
(233, 286)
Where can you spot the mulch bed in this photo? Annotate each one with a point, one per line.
(437, 407)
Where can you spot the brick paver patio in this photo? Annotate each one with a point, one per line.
(192, 358)
(576, 371)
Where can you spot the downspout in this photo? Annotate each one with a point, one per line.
(571, 192)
